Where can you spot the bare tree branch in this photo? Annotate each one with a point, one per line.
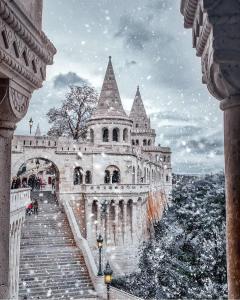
(76, 109)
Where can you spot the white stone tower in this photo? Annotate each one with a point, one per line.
(110, 112)
(142, 134)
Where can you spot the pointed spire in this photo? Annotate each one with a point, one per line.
(38, 131)
(109, 103)
(138, 110)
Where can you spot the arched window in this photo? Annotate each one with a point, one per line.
(133, 142)
(137, 142)
(149, 142)
(115, 135)
(78, 176)
(112, 175)
(167, 178)
(144, 142)
(91, 136)
(125, 135)
(105, 135)
(88, 177)
(107, 176)
(116, 176)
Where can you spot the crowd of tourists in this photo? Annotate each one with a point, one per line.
(35, 183)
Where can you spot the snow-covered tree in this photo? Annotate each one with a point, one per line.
(187, 257)
(70, 119)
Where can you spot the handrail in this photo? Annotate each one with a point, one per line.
(82, 243)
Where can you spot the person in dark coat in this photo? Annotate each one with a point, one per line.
(35, 207)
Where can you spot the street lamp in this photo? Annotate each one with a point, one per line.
(30, 125)
(100, 245)
(108, 278)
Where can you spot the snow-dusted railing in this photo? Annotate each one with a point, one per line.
(117, 294)
(19, 199)
(111, 188)
(82, 243)
(86, 251)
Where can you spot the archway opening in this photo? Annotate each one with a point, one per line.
(38, 173)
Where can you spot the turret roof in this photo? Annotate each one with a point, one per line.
(109, 104)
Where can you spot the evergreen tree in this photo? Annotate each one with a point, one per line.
(187, 257)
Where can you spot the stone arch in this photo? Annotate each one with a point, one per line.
(112, 224)
(144, 142)
(94, 218)
(112, 174)
(115, 134)
(105, 134)
(129, 221)
(30, 158)
(121, 220)
(149, 142)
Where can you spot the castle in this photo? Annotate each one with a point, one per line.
(116, 183)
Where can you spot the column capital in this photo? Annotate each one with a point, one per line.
(14, 101)
(230, 102)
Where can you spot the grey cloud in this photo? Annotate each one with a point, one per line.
(206, 145)
(130, 63)
(134, 32)
(71, 78)
(177, 132)
(171, 116)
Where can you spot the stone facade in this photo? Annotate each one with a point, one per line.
(110, 175)
(25, 52)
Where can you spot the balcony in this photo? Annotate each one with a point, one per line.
(111, 188)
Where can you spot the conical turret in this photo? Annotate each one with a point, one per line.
(109, 104)
(138, 113)
(38, 131)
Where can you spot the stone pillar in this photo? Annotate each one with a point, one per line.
(6, 133)
(124, 222)
(135, 228)
(231, 109)
(116, 223)
(215, 26)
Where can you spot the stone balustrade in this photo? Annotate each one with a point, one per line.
(18, 201)
(111, 188)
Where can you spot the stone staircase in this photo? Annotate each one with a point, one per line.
(51, 265)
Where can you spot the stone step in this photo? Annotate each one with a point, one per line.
(49, 258)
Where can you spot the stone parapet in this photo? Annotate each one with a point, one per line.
(18, 201)
(111, 189)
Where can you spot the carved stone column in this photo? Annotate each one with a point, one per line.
(6, 132)
(216, 37)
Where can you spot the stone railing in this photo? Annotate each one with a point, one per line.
(111, 188)
(18, 201)
(83, 245)
(117, 294)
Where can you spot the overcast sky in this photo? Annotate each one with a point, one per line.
(150, 48)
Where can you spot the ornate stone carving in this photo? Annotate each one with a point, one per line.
(216, 37)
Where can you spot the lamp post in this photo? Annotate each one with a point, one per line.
(108, 278)
(30, 125)
(100, 245)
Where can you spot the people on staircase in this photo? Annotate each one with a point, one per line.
(35, 207)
